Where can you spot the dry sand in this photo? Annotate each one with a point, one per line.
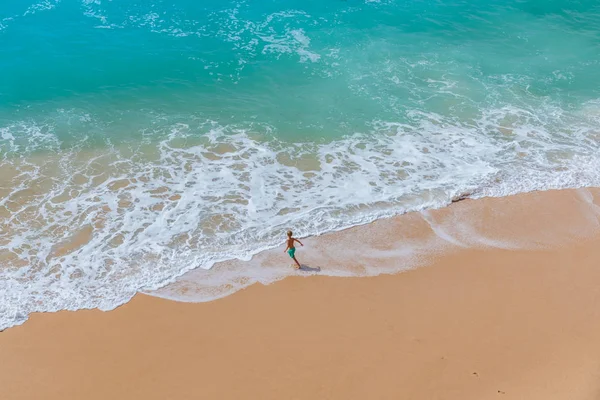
(476, 323)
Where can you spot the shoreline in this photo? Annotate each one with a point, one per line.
(419, 238)
(111, 228)
(477, 322)
(191, 279)
(97, 250)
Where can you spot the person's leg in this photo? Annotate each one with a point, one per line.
(297, 263)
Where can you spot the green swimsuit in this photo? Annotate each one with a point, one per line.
(292, 251)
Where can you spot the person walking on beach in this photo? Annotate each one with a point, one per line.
(291, 250)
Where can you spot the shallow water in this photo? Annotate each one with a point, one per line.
(539, 221)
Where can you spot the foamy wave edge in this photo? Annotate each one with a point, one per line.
(398, 147)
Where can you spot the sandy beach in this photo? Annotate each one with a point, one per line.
(487, 319)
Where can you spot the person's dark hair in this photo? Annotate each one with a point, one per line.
(289, 233)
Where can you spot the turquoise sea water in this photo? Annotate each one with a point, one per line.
(139, 140)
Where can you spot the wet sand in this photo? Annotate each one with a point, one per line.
(488, 318)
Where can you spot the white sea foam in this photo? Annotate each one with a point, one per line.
(41, 6)
(82, 229)
(32, 9)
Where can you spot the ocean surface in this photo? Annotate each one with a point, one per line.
(141, 140)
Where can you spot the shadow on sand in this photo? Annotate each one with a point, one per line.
(306, 268)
